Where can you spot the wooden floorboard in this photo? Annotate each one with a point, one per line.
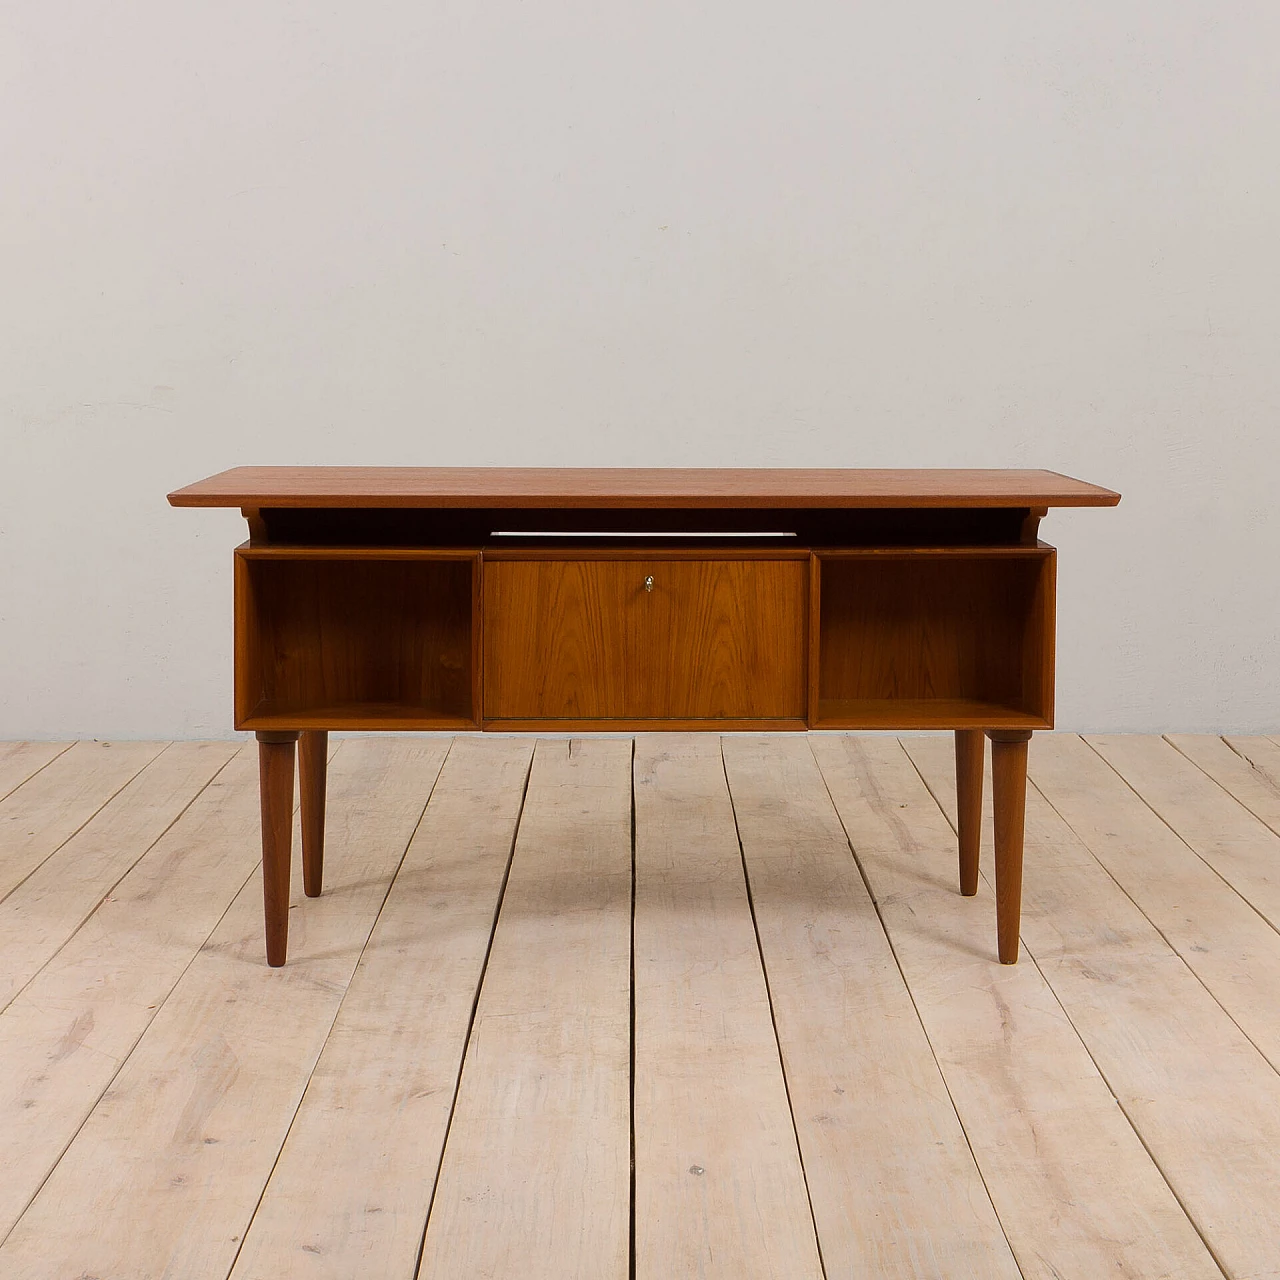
(1210, 1119)
(1242, 850)
(1075, 1190)
(164, 1176)
(1218, 933)
(719, 1189)
(22, 760)
(64, 1038)
(1249, 768)
(536, 1174)
(813, 1058)
(895, 1189)
(38, 917)
(350, 1193)
(54, 803)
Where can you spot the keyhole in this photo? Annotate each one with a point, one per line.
(648, 583)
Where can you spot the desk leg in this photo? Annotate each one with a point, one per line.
(275, 772)
(970, 748)
(313, 760)
(1009, 792)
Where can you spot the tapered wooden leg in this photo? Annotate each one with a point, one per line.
(275, 772)
(970, 745)
(313, 759)
(1009, 794)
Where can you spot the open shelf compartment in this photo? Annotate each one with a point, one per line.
(943, 638)
(333, 638)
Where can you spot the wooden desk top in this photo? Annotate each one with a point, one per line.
(567, 487)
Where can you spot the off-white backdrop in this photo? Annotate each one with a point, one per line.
(644, 233)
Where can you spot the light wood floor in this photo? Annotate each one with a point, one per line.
(677, 1007)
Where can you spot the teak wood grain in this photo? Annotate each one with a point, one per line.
(969, 751)
(644, 638)
(322, 639)
(909, 628)
(258, 487)
(384, 598)
(313, 762)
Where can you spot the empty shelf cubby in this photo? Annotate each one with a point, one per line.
(356, 638)
(934, 638)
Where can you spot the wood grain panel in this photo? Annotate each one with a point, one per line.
(923, 713)
(329, 642)
(584, 639)
(915, 639)
(636, 487)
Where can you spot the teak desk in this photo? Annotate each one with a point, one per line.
(547, 599)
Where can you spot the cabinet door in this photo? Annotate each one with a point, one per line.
(641, 639)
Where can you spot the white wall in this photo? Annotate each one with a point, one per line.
(891, 234)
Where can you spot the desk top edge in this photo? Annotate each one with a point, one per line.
(568, 487)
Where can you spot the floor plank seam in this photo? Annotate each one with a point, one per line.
(124, 1058)
(23, 782)
(1261, 916)
(1045, 976)
(119, 879)
(72, 835)
(1137, 1132)
(1029, 954)
(471, 1020)
(1107, 872)
(1117, 827)
(773, 1020)
(302, 1094)
(942, 1075)
(1222, 786)
(1190, 968)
